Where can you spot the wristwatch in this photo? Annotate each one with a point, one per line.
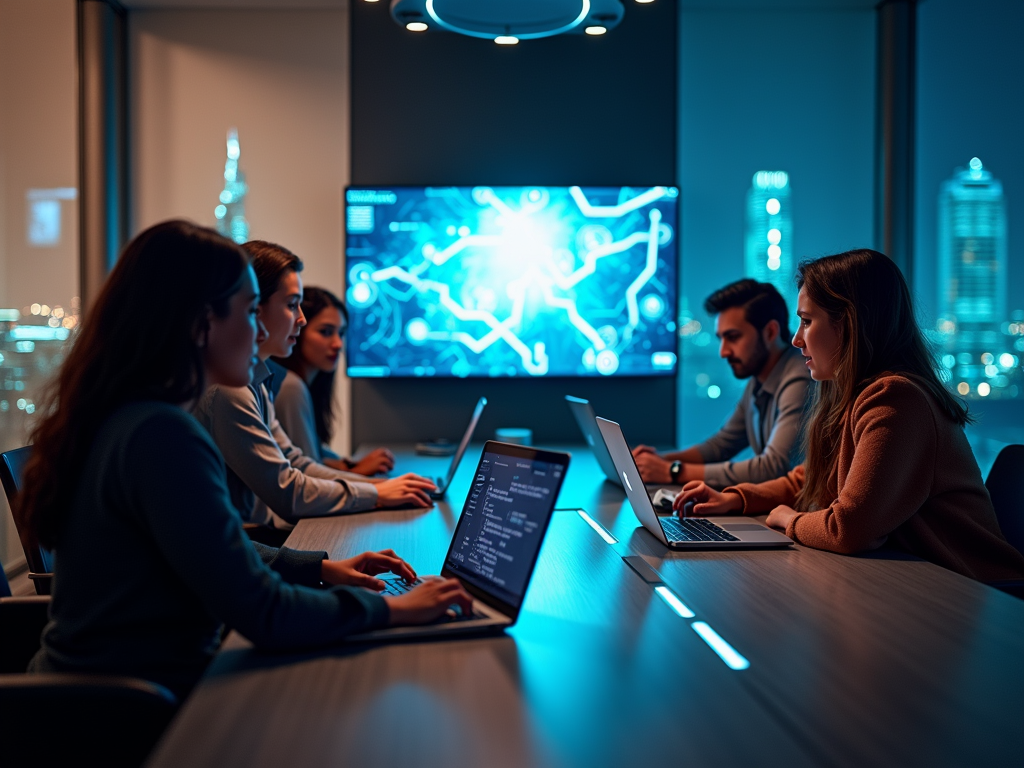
(674, 469)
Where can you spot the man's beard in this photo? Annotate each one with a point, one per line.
(754, 365)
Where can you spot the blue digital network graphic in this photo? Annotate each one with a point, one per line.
(511, 281)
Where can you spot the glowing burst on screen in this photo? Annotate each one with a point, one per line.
(497, 281)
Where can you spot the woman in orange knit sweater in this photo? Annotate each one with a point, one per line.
(887, 458)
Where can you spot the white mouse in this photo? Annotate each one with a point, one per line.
(663, 498)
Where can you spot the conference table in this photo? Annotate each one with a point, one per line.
(828, 660)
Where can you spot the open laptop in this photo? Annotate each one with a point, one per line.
(587, 420)
(443, 482)
(497, 540)
(685, 532)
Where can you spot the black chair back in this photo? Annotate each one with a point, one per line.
(12, 469)
(1005, 485)
(81, 720)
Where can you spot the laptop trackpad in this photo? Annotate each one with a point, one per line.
(742, 527)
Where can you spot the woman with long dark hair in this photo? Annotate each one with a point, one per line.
(305, 400)
(887, 458)
(129, 492)
(272, 481)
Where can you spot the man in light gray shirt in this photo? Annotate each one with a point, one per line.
(752, 326)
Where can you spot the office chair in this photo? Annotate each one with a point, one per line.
(81, 720)
(40, 561)
(69, 719)
(1005, 485)
(21, 622)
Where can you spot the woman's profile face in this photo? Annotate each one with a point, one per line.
(320, 344)
(816, 338)
(232, 341)
(282, 316)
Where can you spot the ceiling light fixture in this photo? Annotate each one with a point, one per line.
(506, 22)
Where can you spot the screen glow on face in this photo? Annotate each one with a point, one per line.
(512, 281)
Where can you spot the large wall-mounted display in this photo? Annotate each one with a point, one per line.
(511, 281)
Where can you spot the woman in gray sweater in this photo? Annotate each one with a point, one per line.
(270, 479)
(130, 493)
(304, 402)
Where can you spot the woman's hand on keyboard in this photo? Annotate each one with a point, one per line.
(377, 462)
(405, 491)
(359, 571)
(428, 601)
(706, 501)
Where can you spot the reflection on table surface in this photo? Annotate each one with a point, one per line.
(852, 661)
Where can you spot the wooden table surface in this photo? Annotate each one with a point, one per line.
(853, 661)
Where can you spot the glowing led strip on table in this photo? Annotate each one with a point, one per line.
(601, 530)
(732, 658)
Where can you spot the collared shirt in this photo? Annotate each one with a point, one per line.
(768, 419)
(271, 481)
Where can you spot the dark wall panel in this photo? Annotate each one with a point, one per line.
(445, 109)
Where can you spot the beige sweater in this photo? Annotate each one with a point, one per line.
(906, 474)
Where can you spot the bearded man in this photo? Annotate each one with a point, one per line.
(752, 325)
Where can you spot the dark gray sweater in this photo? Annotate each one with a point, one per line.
(154, 559)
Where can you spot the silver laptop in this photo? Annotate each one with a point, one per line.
(496, 543)
(682, 532)
(443, 482)
(587, 420)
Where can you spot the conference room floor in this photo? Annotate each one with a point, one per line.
(853, 661)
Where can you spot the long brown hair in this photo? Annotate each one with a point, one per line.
(140, 341)
(321, 389)
(868, 302)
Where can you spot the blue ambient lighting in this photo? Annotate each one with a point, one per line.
(725, 651)
(675, 603)
(598, 527)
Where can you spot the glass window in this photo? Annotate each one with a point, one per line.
(969, 252)
(38, 213)
(776, 156)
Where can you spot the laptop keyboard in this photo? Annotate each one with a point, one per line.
(693, 529)
(400, 587)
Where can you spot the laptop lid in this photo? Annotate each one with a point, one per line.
(503, 523)
(626, 469)
(587, 420)
(463, 445)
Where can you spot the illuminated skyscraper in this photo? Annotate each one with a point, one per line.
(982, 354)
(231, 221)
(972, 249)
(769, 246)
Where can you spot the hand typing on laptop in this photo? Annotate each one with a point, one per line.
(359, 571)
(429, 600)
(379, 461)
(407, 490)
(705, 501)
